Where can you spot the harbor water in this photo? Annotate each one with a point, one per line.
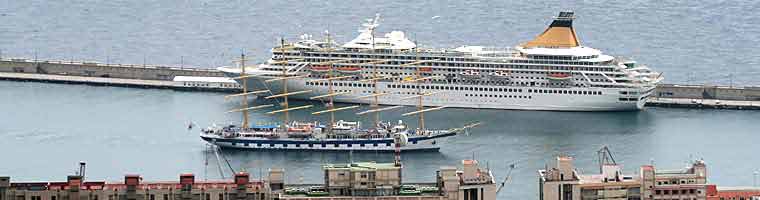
(47, 128)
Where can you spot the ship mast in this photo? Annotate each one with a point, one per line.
(420, 95)
(375, 103)
(245, 90)
(330, 105)
(244, 82)
(419, 90)
(283, 62)
(286, 115)
(330, 90)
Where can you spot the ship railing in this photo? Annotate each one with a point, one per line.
(498, 49)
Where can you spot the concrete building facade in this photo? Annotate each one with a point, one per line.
(563, 182)
(365, 181)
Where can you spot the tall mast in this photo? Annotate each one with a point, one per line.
(375, 103)
(419, 90)
(286, 115)
(245, 90)
(330, 90)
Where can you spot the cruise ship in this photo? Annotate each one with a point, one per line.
(551, 72)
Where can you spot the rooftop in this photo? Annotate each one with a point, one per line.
(362, 166)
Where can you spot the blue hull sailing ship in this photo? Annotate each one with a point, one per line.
(334, 136)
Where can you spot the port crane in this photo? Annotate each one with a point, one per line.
(605, 157)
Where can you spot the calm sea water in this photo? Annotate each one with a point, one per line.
(48, 128)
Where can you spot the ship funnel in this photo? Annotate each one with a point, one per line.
(560, 33)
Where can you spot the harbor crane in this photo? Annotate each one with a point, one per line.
(605, 157)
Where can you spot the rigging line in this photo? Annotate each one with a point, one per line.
(218, 160)
(226, 161)
(270, 92)
(205, 163)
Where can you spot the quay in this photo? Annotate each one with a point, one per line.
(198, 79)
(122, 75)
(705, 97)
(354, 181)
(703, 103)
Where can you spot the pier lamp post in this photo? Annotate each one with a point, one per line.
(754, 178)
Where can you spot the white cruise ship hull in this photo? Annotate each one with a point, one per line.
(476, 96)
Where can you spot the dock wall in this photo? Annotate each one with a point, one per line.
(94, 69)
(676, 91)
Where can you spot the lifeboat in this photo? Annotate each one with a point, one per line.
(349, 69)
(320, 68)
(426, 69)
(559, 76)
(499, 75)
(299, 131)
(470, 74)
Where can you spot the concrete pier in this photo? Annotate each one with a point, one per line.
(705, 97)
(703, 103)
(122, 75)
(95, 69)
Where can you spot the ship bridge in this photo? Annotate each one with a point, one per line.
(395, 40)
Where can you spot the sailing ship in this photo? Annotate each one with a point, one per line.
(335, 135)
(551, 72)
